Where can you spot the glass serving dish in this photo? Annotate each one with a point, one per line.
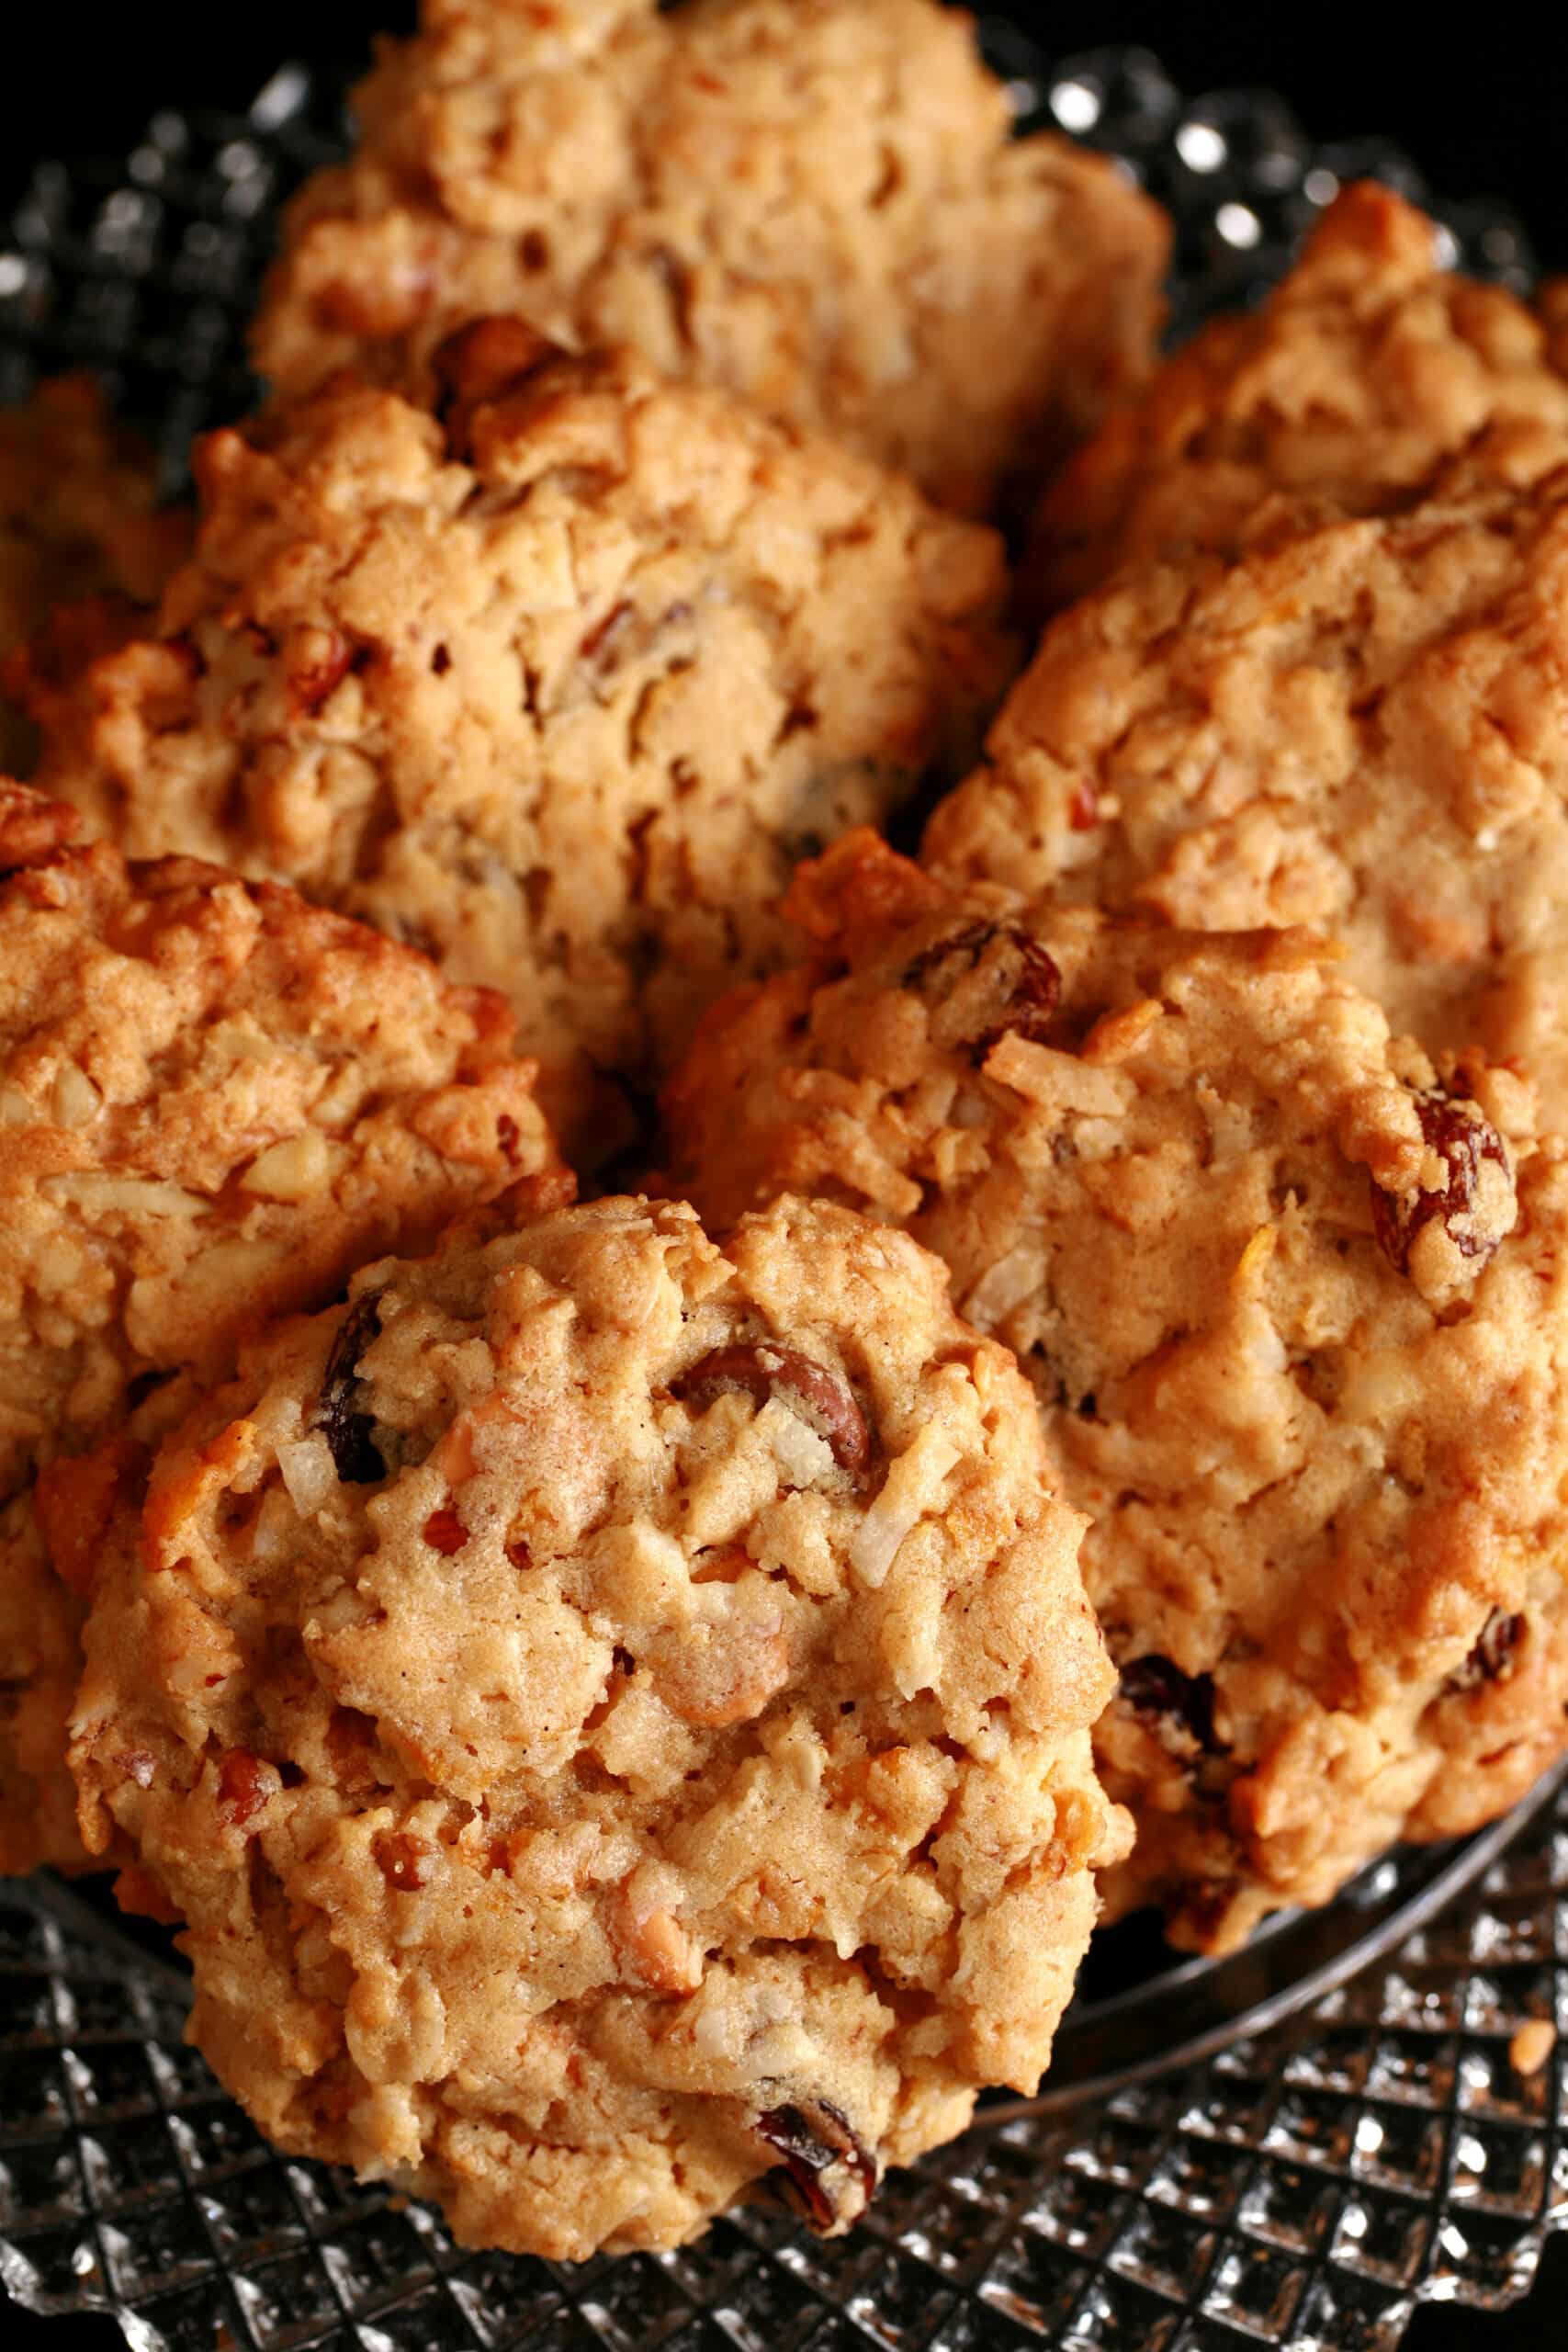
(1292, 2147)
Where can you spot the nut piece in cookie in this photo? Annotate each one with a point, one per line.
(1293, 1300)
(648, 1760)
(215, 1103)
(1367, 368)
(1360, 726)
(79, 516)
(557, 684)
(815, 203)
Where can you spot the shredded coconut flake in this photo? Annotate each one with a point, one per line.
(802, 1455)
(911, 1488)
(307, 1472)
(1007, 1285)
(135, 1196)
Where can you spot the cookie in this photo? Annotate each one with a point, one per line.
(215, 1103)
(613, 1710)
(555, 687)
(816, 204)
(79, 516)
(1365, 370)
(40, 1655)
(1293, 1299)
(1358, 725)
(1551, 309)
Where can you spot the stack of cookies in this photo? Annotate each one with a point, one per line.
(649, 1449)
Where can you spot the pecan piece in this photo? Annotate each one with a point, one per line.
(350, 1435)
(1491, 1659)
(1464, 1142)
(321, 661)
(1172, 1702)
(1033, 993)
(832, 2171)
(32, 830)
(479, 365)
(820, 1397)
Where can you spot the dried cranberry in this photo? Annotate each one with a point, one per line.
(816, 2141)
(1491, 1659)
(405, 1861)
(762, 1371)
(350, 1435)
(244, 1787)
(1463, 1141)
(1156, 1689)
(1033, 993)
(445, 1531)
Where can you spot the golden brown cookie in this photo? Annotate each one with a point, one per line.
(557, 686)
(816, 204)
(1293, 1299)
(613, 1710)
(1364, 371)
(79, 516)
(215, 1103)
(1360, 726)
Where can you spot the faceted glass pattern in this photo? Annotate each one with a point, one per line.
(1305, 2188)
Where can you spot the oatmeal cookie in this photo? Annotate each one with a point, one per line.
(816, 204)
(1368, 368)
(1360, 726)
(557, 686)
(79, 516)
(40, 1661)
(613, 1710)
(1552, 307)
(215, 1103)
(1293, 1297)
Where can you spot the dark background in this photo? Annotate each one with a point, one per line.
(1477, 98)
(1477, 95)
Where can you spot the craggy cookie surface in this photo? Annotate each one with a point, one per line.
(1368, 368)
(557, 687)
(1293, 1300)
(813, 203)
(215, 1103)
(615, 1714)
(79, 516)
(1362, 726)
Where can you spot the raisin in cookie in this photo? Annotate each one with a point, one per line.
(215, 1103)
(813, 203)
(1362, 726)
(79, 516)
(1368, 366)
(1292, 1298)
(613, 1710)
(555, 687)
